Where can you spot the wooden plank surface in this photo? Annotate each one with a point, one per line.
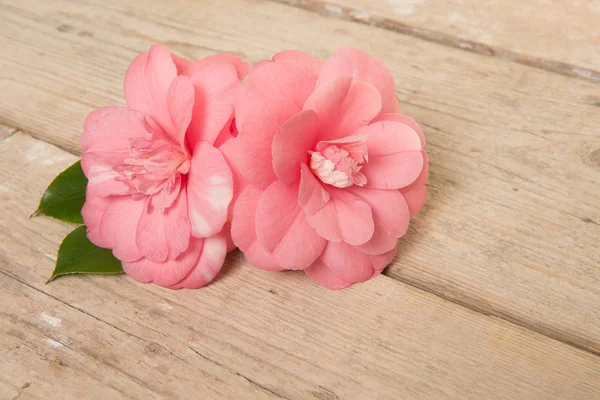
(49, 349)
(275, 334)
(556, 35)
(511, 225)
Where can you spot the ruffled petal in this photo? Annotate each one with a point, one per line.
(393, 171)
(147, 83)
(323, 276)
(415, 197)
(380, 243)
(162, 235)
(345, 217)
(346, 262)
(92, 212)
(352, 265)
(243, 230)
(357, 64)
(383, 260)
(395, 156)
(256, 140)
(311, 194)
(406, 121)
(209, 264)
(282, 80)
(391, 215)
(390, 137)
(103, 180)
(187, 67)
(282, 228)
(108, 130)
(180, 103)
(119, 226)
(344, 105)
(415, 194)
(209, 190)
(305, 60)
(233, 152)
(215, 85)
(170, 271)
(291, 144)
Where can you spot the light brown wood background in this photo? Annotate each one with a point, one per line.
(494, 293)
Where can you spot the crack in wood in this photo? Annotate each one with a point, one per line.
(252, 382)
(349, 14)
(487, 309)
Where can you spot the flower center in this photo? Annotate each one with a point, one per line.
(154, 165)
(339, 164)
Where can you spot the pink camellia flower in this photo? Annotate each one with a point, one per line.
(159, 187)
(334, 170)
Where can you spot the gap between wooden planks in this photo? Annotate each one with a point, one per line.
(249, 334)
(511, 224)
(556, 36)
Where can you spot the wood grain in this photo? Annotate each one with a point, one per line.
(274, 333)
(512, 222)
(49, 349)
(558, 36)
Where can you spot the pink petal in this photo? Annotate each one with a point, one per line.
(351, 265)
(282, 228)
(383, 260)
(162, 235)
(164, 199)
(424, 175)
(344, 105)
(226, 133)
(405, 120)
(107, 132)
(209, 264)
(344, 218)
(147, 83)
(390, 137)
(311, 195)
(291, 145)
(92, 212)
(256, 140)
(390, 214)
(357, 64)
(283, 80)
(393, 171)
(256, 66)
(209, 190)
(243, 230)
(170, 271)
(323, 276)
(226, 232)
(305, 60)
(233, 152)
(180, 102)
(346, 262)
(187, 67)
(380, 243)
(415, 197)
(215, 86)
(119, 225)
(415, 194)
(103, 180)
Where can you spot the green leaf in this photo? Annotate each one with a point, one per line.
(77, 255)
(65, 196)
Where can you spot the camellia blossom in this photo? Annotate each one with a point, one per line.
(159, 188)
(334, 170)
